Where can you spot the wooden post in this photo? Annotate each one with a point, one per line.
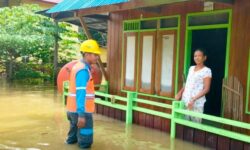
(85, 28)
(99, 62)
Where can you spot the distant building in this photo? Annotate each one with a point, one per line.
(42, 3)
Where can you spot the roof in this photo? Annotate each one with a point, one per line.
(69, 5)
(96, 22)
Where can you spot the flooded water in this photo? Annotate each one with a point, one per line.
(33, 118)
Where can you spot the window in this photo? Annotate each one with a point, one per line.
(149, 24)
(208, 19)
(169, 22)
(165, 62)
(131, 25)
(147, 59)
(149, 55)
(130, 73)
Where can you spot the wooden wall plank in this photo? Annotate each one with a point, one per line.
(142, 119)
(165, 125)
(211, 140)
(149, 121)
(223, 143)
(157, 122)
(179, 131)
(135, 117)
(97, 108)
(234, 144)
(199, 137)
(105, 111)
(188, 134)
(247, 146)
(111, 112)
(118, 114)
(123, 115)
(100, 109)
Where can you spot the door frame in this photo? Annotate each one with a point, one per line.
(247, 111)
(188, 36)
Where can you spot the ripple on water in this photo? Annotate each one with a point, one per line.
(43, 144)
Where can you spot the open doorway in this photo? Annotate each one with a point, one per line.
(214, 41)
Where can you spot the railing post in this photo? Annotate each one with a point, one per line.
(65, 90)
(181, 106)
(129, 111)
(175, 105)
(106, 89)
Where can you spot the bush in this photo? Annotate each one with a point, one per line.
(30, 81)
(33, 73)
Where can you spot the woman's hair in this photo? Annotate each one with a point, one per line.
(204, 52)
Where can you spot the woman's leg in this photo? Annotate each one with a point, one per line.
(198, 109)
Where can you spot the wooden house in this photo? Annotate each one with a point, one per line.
(150, 48)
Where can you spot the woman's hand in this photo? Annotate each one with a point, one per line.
(191, 104)
(179, 94)
(177, 97)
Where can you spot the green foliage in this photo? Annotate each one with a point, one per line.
(2, 68)
(31, 73)
(27, 73)
(26, 34)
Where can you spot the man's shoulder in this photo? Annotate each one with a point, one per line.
(79, 66)
(82, 75)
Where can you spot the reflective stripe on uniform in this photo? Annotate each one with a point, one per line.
(73, 95)
(81, 88)
(90, 95)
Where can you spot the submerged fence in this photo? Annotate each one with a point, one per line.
(176, 115)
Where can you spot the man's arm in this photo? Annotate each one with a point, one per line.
(82, 78)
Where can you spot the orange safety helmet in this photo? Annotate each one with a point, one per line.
(90, 46)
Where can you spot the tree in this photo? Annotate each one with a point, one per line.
(26, 34)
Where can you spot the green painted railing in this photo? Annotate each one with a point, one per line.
(130, 104)
(65, 91)
(112, 102)
(150, 111)
(103, 87)
(178, 113)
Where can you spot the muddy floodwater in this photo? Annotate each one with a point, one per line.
(33, 118)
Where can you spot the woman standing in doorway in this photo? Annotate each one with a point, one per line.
(197, 85)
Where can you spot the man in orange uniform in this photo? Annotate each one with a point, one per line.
(80, 101)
